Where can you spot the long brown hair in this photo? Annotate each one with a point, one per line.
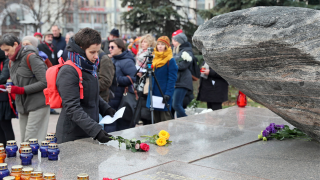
(119, 42)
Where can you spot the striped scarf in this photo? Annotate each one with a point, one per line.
(83, 63)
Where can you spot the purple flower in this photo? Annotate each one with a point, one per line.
(265, 133)
(274, 131)
(269, 128)
(272, 125)
(281, 126)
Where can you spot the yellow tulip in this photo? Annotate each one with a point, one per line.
(164, 134)
(161, 141)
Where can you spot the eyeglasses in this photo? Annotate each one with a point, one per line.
(111, 47)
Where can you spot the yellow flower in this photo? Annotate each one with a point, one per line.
(260, 136)
(264, 139)
(161, 141)
(164, 134)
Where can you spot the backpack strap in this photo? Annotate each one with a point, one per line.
(80, 76)
(9, 63)
(1, 65)
(28, 62)
(135, 91)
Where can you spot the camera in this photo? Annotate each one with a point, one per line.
(150, 50)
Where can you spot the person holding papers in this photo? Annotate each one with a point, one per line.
(79, 117)
(165, 70)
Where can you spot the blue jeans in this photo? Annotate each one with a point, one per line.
(177, 104)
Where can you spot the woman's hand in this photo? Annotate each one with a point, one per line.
(8, 89)
(205, 72)
(139, 74)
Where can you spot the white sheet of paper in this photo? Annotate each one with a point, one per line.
(4, 90)
(141, 69)
(157, 102)
(108, 119)
(213, 82)
(60, 53)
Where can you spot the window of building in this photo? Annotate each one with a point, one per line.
(82, 18)
(87, 18)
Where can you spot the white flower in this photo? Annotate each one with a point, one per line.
(185, 56)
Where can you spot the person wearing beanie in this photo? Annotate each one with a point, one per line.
(165, 70)
(47, 47)
(114, 34)
(6, 112)
(28, 87)
(38, 36)
(183, 56)
(29, 40)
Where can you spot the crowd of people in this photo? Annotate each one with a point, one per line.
(108, 70)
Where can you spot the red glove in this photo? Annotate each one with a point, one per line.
(2, 87)
(17, 90)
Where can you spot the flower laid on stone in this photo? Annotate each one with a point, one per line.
(133, 144)
(110, 179)
(281, 132)
(161, 139)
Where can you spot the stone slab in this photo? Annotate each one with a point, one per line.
(182, 171)
(190, 137)
(248, 118)
(288, 159)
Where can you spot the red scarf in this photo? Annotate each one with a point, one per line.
(13, 57)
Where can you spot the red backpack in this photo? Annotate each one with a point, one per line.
(51, 93)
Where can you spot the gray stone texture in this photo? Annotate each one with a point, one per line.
(272, 55)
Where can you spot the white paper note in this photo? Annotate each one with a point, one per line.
(141, 69)
(4, 90)
(213, 82)
(60, 53)
(108, 119)
(157, 102)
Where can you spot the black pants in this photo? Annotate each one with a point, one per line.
(214, 105)
(6, 131)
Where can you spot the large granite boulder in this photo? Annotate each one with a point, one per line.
(272, 54)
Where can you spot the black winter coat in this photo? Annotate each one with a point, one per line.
(59, 43)
(213, 93)
(184, 79)
(125, 65)
(44, 48)
(4, 75)
(78, 118)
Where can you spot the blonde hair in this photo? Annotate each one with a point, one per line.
(150, 39)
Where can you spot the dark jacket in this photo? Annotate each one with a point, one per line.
(4, 75)
(125, 65)
(78, 118)
(44, 48)
(65, 54)
(167, 77)
(59, 43)
(213, 93)
(184, 79)
(105, 47)
(106, 73)
(33, 81)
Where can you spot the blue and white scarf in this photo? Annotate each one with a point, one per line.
(83, 63)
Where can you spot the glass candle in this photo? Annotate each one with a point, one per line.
(34, 146)
(11, 148)
(51, 176)
(53, 135)
(2, 155)
(4, 170)
(16, 171)
(26, 156)
(26, 173)
(9, 178)
(53, 152)
(44, 148)
(23, 145)
(36, 176)
(50, 139)
(83, 176)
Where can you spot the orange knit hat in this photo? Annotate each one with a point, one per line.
(165, 40)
